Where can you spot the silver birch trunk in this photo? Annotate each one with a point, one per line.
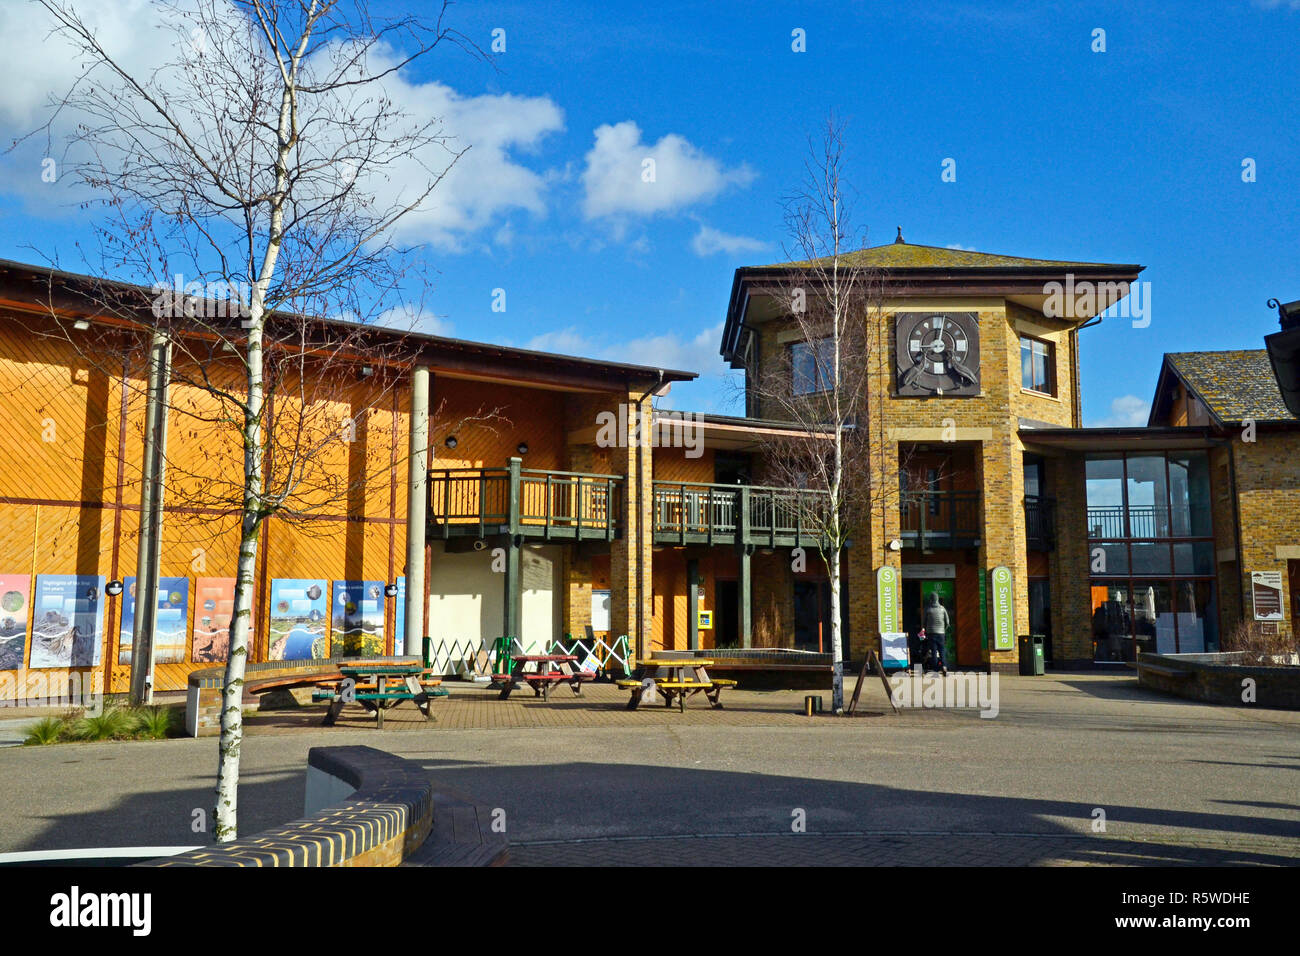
(232, 724)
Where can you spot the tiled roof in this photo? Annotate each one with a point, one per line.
(905, 255)
(1236, 385)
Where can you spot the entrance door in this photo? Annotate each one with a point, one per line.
(812, 616)
(726, 629)
(916, 594)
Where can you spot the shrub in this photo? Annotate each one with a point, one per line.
(113, 723)
(156, 722)
(47, 730)
(1261, 645)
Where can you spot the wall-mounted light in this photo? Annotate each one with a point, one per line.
(81, 325)
(113, 588)
(367, 371)
(451, 441)
(390, 590)
(523, 448)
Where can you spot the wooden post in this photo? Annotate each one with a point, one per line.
(514, 594)
(693, 602)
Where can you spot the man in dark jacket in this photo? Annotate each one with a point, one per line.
(936, 629)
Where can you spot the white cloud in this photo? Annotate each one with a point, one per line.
(420, 321)
(1125, 411)
(478, 194)
(668, 350)
(616, 172)
(709, 241)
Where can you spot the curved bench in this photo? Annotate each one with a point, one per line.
(365, 807)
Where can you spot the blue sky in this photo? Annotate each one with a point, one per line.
(1131, 155)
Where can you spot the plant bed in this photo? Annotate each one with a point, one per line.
(156, 722)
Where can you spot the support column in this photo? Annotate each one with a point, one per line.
(744, 597)
(631, 558)
(151, 514)
(693, 602)
(1002, 479)
(417, 515)
(514, 589)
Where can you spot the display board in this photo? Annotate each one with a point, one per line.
(298, 618)
(170, 621)
(15, 608)
(68, 626)
(214, 609)
(358, 619)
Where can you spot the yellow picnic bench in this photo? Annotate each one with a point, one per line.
(674, 680)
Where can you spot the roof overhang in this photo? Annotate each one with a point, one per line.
(1030, 286)
(1060, 441)
(38, 290)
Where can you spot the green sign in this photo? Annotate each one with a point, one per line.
(1003, 606)
(887, 600)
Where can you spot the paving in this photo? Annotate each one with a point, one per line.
(1075, 769)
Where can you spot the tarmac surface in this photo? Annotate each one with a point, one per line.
(584, 781)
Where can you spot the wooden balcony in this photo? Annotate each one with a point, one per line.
(696, 513)
(940, 520)
(545, 505)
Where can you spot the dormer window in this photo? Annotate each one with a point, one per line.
(1037, 364)
(812, 366)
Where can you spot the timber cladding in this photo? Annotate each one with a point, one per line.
(70, 486)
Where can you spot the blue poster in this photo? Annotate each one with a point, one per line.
(68, 621)
(169, 622)
(358, 617)
(299, 612)
(399, 620)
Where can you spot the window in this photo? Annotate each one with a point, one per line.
(1151, 554)
(812, 366)
(1037, 360)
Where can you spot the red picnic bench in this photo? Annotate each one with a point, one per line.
(541, 672)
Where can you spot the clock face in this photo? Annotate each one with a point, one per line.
(938, 353)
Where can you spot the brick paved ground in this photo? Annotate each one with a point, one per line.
(586, 781)
(810, 849)
(475, 706)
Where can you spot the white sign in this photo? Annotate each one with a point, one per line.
(893, 648)
(1266, 595)
(600, 610)
(929, 572)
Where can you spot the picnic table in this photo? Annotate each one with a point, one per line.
(377, 687)
(675, 680)
(541, 672)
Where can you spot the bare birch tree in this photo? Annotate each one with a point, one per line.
(822, 382)
(258, 164)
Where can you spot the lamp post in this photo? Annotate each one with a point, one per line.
(1284, 352)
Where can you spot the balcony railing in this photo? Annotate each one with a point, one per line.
(698, 513)
(1040, 523)
(531, 502)
(1145, 521)
(940, 519)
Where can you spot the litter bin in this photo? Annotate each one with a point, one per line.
(1031, 655)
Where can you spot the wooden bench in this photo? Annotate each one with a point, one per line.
(679, 689)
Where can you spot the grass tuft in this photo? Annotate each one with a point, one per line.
(114, 723)
(47, 730)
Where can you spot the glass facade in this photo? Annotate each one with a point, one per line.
(1151, 554)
